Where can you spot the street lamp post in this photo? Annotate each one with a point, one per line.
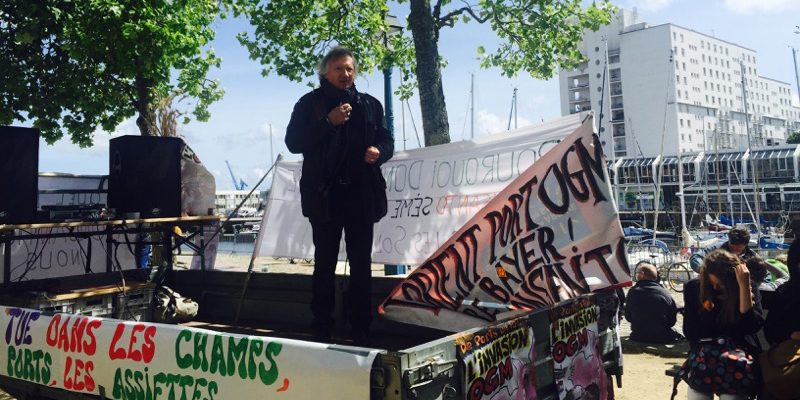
(394, 28)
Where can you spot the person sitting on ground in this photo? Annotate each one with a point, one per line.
(722, 302)
(782, 321)
(650, 309)
(779, 261)
(738, 239)
(758, 274)
(762, 271)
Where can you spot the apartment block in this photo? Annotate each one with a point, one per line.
(669, 88)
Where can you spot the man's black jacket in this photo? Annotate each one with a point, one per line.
(652, 313)
(325, 147)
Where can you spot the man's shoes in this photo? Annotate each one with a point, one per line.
(361, 338)
(322, 335)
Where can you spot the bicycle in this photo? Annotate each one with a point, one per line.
(672, 273)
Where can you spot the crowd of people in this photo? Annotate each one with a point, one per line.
(739, 312)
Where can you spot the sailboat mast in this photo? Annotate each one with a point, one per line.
(515, 108)
(660, 159)
(680, 155)
(607, 92)
(472, 106)
(756, 194)
(716, 169)
(638, 178)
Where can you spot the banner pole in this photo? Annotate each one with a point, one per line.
(256, 248)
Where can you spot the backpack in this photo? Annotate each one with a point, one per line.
(172, 308)
(719, 366)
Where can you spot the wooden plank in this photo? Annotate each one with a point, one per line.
(98, 291)
(175, 220)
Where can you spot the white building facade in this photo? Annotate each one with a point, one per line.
(227, 200)
(672, 89)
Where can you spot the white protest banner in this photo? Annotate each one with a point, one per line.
(136, 360)
(498, 361)
(552, 234)
(577, 359)
(431, 193)
(33, 257)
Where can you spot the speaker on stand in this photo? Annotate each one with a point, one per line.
(145, 176)
(19, 174)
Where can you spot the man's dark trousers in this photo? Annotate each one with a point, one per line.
(346, 213)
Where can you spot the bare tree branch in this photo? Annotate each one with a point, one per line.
(449, 18)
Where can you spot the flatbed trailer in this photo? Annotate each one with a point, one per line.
(407, 362)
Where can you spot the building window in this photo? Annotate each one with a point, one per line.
(674, 35)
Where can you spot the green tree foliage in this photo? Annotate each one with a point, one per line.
(793, 138)
(538, 37)
(72, 66)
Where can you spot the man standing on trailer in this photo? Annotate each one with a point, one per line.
(344, 139)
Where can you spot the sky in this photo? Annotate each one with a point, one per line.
(248, 124)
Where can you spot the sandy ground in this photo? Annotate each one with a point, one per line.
(643, 377)
(643, 373)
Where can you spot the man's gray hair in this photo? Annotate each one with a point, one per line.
(333, 55)
(648, 270)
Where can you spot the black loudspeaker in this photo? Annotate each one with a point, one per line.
(19, 174)
(145, 176)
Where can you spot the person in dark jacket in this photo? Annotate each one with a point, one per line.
(344, 141)
(783, 320)
(650, 309)
(738, 239)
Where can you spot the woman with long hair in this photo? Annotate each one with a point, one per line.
(722, 302)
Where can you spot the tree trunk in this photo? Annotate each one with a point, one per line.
(429, 74)
(142, 103)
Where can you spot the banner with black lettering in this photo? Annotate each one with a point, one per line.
(431, 192)
(498, 361)
(577, 359)
(552, 234)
